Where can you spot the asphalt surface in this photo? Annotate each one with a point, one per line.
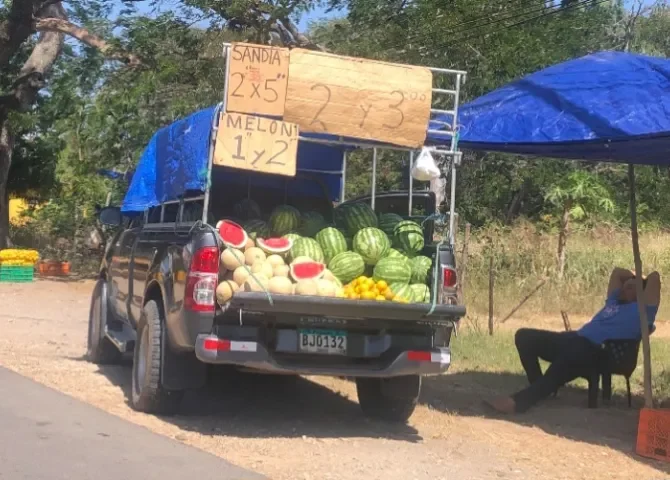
(47, 435)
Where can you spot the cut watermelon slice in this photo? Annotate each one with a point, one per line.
(307, 270)
(232, 234)
(277, 245)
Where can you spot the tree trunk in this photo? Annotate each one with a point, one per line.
(563, 239)
(6, 149)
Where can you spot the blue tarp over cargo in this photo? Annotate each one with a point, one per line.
(176, 161)
(609, 106)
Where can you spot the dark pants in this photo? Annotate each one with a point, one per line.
(570, 356)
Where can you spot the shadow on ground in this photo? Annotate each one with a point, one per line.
(567, 415)
(257, 406)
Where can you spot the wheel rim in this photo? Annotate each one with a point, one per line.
(141, 360)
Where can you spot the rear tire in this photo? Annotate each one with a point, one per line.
(99, 349)
(148, 395)
(391, 399)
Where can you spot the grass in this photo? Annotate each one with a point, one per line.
(524, 255)
(474, 351)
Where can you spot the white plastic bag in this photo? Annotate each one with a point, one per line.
(425, 168)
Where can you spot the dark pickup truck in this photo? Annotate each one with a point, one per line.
(155, 297)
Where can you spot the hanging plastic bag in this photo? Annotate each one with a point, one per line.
(425, 168)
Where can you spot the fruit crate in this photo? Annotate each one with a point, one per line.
(16, 274)
(653, 435)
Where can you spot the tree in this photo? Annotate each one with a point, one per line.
(574, 196)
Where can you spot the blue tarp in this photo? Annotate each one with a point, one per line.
(608, 106)
(176, 161)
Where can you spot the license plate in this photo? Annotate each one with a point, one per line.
(328, 342)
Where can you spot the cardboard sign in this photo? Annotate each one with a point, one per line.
(358, 98)
(256, 143)
(257, 79)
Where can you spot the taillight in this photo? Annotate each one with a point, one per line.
(202, 279)
(449, 277)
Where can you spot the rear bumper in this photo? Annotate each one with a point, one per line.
(250, 354)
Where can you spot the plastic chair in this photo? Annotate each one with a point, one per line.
(619, 357)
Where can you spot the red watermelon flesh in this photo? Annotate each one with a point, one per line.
(232, 234)
(275, 245)
(307, 270)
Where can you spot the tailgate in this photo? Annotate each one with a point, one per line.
(337, 307)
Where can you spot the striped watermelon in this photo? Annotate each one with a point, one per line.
(256, 228)
(311, 223)
(284, 219)
(394, 253)
(403, 291)
(247, 209)
(346, 266)
(408, 236)
(421, 292)
(420, 268)
(332, 242)
(393, 270)
(388, 221)
(307, 247)
(358, 216)
(372, 244)
(292, 236)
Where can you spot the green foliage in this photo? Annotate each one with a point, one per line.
(578, 192)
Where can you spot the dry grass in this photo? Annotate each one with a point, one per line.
(524, 256)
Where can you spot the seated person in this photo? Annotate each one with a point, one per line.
(570, 352)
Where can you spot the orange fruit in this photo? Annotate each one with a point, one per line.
(381, 298)
(368, 296)
(382, 285)
(389, 294)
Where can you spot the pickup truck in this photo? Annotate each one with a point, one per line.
(155, 297)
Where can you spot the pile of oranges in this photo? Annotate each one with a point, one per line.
(365, 288)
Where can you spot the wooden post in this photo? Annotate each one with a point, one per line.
(641, 303)
(491, 281)
(566, 321)
(464, 261)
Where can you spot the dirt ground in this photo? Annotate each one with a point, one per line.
(312, 428)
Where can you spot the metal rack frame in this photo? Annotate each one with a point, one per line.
(449, 131)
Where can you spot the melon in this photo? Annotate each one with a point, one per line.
(302, 259)
(284, 219)
(307, 247)
(253, 255)
(307, 287)
(275, 260)
(328, 275)
(326, 288)
(225, 291)
(280, 285)
(232, 258)
(241, 274)
(275, 245)
(232, 234)
(307, 270)
(281, 271)
(250, 243)
(257, 283)
(262, 267)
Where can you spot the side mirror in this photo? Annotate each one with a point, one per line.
(110, 216)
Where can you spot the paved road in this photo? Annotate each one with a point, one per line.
(47, 435)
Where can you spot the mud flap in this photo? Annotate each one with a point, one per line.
(181, 371)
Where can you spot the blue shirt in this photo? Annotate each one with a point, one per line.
(617, 321)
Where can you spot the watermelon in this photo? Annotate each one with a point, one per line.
(371, 244)
(403, 291)
(358, 216)
(307, 247)
(393, 270)
(257, 228)
(232, 234)
(284, 219)
(292, 236)
(346, 266)
(338, 218)
(420, 292)
(247, 209)
(420, 268)
(408, 236)
(311, 224)
(388, 221)
(307, 270)
(274, 245)
(331, 242)
(394, 253)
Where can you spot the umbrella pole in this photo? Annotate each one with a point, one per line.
(642, 305)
